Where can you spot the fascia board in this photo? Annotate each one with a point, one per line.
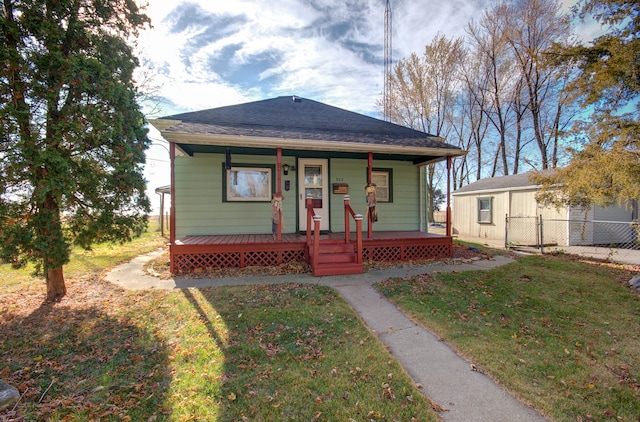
(303, 144)
(163, 124)
(496, 190)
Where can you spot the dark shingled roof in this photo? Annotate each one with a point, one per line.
(301, 118)
(497, 183)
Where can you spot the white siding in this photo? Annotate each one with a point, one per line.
(465, 215)
(523, 209)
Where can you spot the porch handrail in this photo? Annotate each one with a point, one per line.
(311, 213)
(316, 238)
(316, 219)
(348, 212)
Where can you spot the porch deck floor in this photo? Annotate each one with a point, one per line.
(245, 239)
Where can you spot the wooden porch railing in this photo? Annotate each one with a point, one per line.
(311, 215)
(348, 213)
(316, 219)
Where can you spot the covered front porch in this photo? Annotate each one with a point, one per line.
(232, 168)
(242, 250)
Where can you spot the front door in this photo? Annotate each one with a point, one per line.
(313, 179)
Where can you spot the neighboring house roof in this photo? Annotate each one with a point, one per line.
(496, 184)
(163, 189)
(296, 123)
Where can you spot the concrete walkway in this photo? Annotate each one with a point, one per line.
(447, 379)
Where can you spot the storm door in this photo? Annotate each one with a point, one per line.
(313, 179)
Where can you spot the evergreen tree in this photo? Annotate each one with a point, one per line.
(72, 137)
(606, 164)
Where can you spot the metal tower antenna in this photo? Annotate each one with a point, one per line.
(386, 96)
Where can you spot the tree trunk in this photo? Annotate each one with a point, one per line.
(56, 288)
(503, 149)
(51, 234)
(556, 134)
(516, 158)
(479, 158)
(496, 158)
(539, 136)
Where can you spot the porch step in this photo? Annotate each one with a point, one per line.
(335, 258)
(343, 252)
(336, 269)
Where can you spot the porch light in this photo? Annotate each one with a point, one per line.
(285, 169)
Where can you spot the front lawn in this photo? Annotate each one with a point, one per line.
(562, 334)
(226, 354)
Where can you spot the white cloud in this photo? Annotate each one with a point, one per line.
(330, 50)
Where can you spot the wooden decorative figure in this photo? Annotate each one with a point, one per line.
(276, 212)
(372, 203)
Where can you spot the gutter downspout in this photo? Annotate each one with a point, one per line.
(369, 216)
(421, 198)
(172, 216)
(449, 196)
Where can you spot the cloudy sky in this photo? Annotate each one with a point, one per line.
(211, 53)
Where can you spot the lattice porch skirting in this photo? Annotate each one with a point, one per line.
(187, 258)
(405, 250)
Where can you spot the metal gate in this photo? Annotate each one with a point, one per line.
(522, 231)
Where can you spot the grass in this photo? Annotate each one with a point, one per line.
(281, 352)
(561, 334)
(83, 262)
(251, 352)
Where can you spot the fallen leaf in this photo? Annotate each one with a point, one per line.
(435, 406)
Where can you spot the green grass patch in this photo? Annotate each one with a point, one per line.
(226, 354)
(561, 334)
(83, 262)
(107, 255)
(258, 352)
(485, 250)
(280, 352)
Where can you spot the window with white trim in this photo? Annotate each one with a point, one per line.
(248, 183)
(485, 210)
(383, 179)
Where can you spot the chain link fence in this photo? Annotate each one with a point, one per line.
(609, 240)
